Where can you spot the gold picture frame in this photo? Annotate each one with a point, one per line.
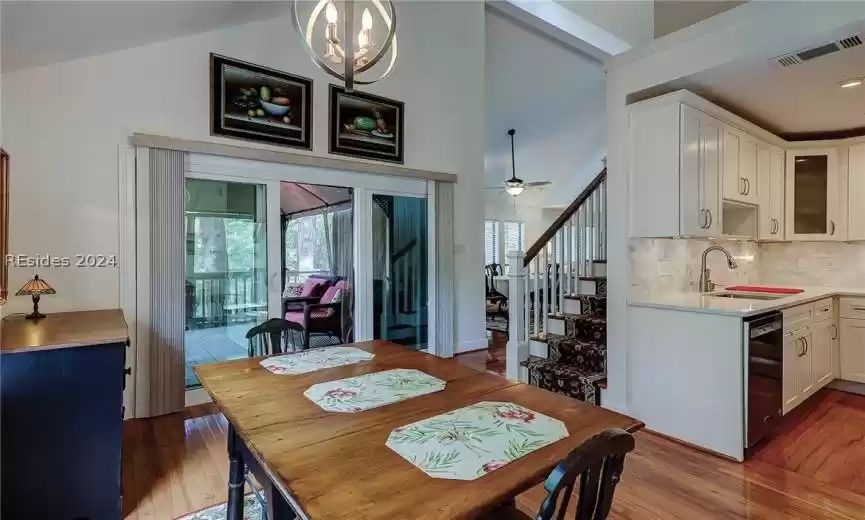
(4, 224)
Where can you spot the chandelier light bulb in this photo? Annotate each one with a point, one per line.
(356, 56)
(331, 13)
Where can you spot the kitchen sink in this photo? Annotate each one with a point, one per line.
(748, 296)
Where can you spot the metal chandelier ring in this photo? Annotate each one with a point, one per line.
(389, 16)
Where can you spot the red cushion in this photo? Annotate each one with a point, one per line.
(296, 317)
(311, 285)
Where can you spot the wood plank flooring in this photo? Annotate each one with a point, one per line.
(814, 470)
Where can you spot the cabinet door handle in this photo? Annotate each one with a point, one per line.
(741, 185)
(801, 346)
(834, 331)
(832, 223)
(702, 219)
(709, 225)
(747, 187)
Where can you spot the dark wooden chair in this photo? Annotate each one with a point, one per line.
(598, 462)
(273, 337)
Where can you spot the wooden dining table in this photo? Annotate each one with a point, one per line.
(327, 465)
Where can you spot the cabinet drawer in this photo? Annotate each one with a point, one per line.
(853, 308)
(797, 317)
(823, 309)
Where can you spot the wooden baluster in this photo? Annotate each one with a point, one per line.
(536, 329)
(554, 275)
(545, 301)
(527, 303)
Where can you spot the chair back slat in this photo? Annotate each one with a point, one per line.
(598, 463)
(269, 338)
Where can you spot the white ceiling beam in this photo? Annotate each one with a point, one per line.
(563, 24)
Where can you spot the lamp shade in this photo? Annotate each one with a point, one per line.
(35, 286)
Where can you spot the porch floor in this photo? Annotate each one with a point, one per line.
(214, 344)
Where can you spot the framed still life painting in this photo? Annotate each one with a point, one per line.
(367, 126)
(249, 101)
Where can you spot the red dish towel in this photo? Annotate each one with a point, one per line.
(776, 290)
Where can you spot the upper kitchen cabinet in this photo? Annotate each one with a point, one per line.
(770, 179)
(816, 209)
(741, 165)
(675, 167)
(856, 192)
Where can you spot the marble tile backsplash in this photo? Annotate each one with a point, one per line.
(813, 263)
(673, 265)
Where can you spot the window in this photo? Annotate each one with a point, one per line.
(514, 238)
(501, 238)
(491, 242)
(307, 248)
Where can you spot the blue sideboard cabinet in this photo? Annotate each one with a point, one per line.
(61, 416)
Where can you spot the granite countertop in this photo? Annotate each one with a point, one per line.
(701, 302)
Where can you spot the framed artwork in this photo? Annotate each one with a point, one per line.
(4, 224)
(363, 125)
(249, 101)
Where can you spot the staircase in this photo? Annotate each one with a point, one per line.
(558, 301)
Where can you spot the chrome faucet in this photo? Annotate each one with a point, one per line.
(706, 284)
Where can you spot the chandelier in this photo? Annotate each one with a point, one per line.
(356, 53)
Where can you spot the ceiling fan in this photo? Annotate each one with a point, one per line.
(514, 186)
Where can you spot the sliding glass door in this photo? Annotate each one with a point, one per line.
(400, 264)
(226, 269)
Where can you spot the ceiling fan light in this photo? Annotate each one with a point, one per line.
(514, 189)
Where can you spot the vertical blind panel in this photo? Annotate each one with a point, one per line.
(491, 242)
(445, 300)
(167, 192)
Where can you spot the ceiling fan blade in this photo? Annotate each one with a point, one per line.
(537, 184)
(495, 188)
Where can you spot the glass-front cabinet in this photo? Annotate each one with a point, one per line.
(814, 196)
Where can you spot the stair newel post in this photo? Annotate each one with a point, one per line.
(517, 348)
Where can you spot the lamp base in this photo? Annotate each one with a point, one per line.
(34, 316)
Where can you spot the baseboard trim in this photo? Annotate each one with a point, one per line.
(847, 386)
(471, 346)
(692, 446)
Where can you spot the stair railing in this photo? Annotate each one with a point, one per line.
(549, 272)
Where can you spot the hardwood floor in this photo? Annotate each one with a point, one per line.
(813, 470)
(491, 360)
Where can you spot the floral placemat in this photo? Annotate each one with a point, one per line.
(316, 359)
(356, 394)
(468, 443)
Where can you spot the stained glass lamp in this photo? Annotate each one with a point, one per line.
(35, 288)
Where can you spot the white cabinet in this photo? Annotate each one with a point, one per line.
(853, 350)
(699, 200)
(798, 379)
(770, 179)
(821, 349)
(856, 192)
(740, 160)
(674, 171)
(814, 203)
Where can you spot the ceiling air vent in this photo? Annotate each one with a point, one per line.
(803, 55)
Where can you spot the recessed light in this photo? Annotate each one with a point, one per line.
(852, 82)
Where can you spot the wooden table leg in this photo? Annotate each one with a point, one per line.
(236, 482)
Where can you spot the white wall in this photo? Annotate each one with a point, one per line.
(672, 15)
(64, 122)
(554, 97)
